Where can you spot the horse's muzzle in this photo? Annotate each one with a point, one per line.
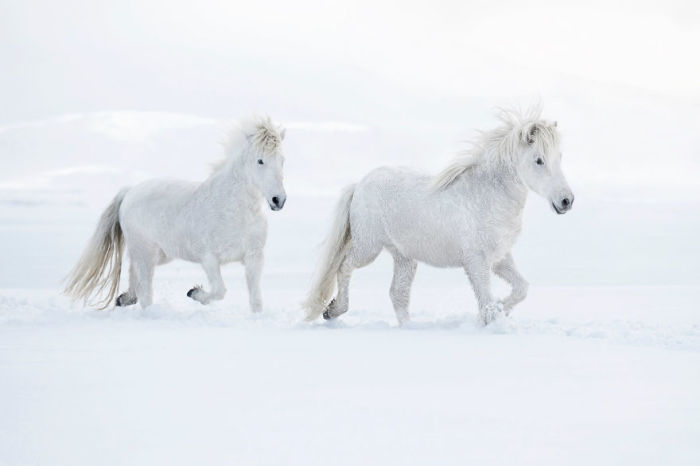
(565, 205)
(277, 202)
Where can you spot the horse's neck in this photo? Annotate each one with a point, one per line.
(497, 181)
(230, 184)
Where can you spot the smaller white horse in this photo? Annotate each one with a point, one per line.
(469, 216)
(214, 222)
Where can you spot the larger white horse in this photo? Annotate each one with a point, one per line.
(469, 216)
(214, 222)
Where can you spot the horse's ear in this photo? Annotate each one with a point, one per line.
(528, 134)
(283, 131)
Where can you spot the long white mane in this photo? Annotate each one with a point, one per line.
(261, 132)
(501, 144)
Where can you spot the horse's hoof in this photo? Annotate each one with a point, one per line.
(490, 312)
(124, 300)
(402, 317)
(326, 314)
(196, 289)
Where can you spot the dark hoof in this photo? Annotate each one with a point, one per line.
(191, 292)
(124, 300)
(326, 314)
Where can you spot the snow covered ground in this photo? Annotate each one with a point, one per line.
(577, 376)
(600, 365)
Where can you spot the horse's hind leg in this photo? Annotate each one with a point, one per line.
(212, 268)
(144, 262)
(400, 291)
(129, 297)
(339, 305)
(358, 256)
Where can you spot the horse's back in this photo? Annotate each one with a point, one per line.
(381, 192)
(159, 196)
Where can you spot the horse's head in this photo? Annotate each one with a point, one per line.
(540, 164)
(265, 162)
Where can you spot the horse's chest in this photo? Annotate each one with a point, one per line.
(501, 235)
(491, 232)
(238, 236)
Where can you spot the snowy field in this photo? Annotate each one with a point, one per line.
(600, 365)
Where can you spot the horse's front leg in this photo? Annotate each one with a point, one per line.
(212, 268)
(507, 271)
(253, 270)
(479, 272)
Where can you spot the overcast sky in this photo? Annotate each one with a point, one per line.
(97, 95)
(333, 60)
(623, 79)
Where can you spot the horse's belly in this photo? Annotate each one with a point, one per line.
(442, 245)
(443, 259)
(430, 249)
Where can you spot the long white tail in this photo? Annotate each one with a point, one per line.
(100, 266)
(334, 251)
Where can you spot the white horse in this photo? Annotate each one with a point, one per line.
(469, 216)
(214, 222)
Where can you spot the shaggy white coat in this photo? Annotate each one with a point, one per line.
(468, 216)
(214, 222)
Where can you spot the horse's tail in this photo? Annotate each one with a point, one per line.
(100, 266)
(334, 251)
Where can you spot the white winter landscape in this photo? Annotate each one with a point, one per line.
(600, 365)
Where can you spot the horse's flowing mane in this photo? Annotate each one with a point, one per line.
(501, 144)
(258, 131)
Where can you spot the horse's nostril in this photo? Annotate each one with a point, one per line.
(565, 202)
(276, 200)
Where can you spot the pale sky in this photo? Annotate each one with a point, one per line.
(327, 60)
(96, 95)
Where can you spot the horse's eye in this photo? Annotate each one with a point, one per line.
(540, 161)
(260, 162)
